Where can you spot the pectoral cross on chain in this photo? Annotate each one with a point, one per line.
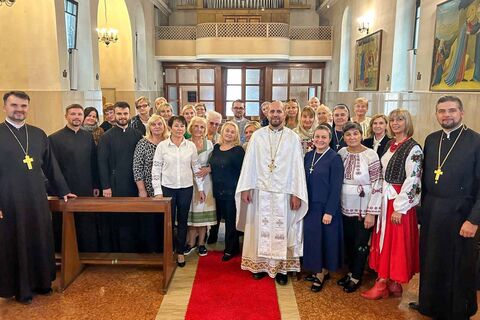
(438, 173)
(28, 161)
(272, 165)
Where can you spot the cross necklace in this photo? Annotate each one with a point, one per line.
(273, 155)
(27, 160)
(315, 162)
(440, 163)
(336, 139)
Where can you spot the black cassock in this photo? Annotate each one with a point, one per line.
(76, 154)
(448, 260)
(119, 232)
(27, 257)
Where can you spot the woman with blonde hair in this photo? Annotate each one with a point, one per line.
(395, 245)
(188, 112)
(324, 115)
(226, 162)
(306, 127)
(377, 134)
(292, 112)
(151, 226)
(360, 108)
(165, 110)
(202, 214)
(250, 128)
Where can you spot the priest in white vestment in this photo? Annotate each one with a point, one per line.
(272, 200)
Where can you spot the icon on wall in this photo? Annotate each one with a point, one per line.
(192, 96)
(367, 62)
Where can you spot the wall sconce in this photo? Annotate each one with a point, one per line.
(364, 24)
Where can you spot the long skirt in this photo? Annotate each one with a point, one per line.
(323, 243)
(399, 258)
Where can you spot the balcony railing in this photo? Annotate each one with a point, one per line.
(244, 30)
(237, 4)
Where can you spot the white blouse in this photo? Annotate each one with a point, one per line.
(174, 167)
(362, 183)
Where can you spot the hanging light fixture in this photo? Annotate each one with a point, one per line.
(106, 35)
(8, 3)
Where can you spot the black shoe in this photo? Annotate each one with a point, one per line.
(414, 305)
(188, 250)
(343, 281)
(227, 257)
(181, 264)
(202, 251)
(351, 286)
(44, 291)
(24, 300)
(259, 275)
(282, 279)
(317, 285)
(310, 277)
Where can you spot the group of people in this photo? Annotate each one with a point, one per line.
(309, 188)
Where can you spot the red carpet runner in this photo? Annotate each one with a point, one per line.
(222, 290)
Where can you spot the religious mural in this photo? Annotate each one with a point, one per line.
(456, 52)
(367, 62)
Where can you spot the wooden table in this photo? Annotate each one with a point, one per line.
(73, 262)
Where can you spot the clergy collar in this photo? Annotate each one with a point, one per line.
(448, 132)
(70, 129)
(123, 129)
(17, 126)
(275, 130)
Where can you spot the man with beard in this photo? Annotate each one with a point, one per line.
(271, 200)
(450, 216)
(238, 109)
(115, 164)
(27, 256)
(76, 154)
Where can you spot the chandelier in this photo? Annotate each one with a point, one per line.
(8, 3)
(106, 35)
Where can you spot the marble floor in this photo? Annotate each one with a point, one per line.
(132, 292)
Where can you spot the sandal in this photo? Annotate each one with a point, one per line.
(317, 285)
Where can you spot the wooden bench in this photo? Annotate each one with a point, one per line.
(73, 262)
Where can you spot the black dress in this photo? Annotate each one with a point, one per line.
(323, 244)
(27, 256)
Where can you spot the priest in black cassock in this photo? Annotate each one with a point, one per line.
(119, 232)
(76, 153)
(27, 257)
(450, 216)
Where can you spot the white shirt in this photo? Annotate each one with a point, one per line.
(18, 126)
(173, 166)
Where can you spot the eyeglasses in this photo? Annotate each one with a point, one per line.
(214, 124)
(143, 106)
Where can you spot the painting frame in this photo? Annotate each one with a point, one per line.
(368, 55)
(456, 47)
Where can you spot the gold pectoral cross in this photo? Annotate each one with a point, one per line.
(438, 173)
(272, 165)
(28, 161)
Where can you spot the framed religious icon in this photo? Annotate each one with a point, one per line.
(367, 62)
(456, 47)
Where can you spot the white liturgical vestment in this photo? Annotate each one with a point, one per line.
(273, 170)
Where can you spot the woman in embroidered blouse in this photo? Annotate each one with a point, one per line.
(306, 127)
(226, 163)
(202, 213)
(377, 134)
(341, 115)
(292, 112)
(322, 227)
(394, 254)
(361, 202)
(151, 226)
(174, 164)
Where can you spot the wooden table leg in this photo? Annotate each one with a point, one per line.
(169, 264)
(71, 266)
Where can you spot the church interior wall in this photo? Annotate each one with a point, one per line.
(421, 101)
